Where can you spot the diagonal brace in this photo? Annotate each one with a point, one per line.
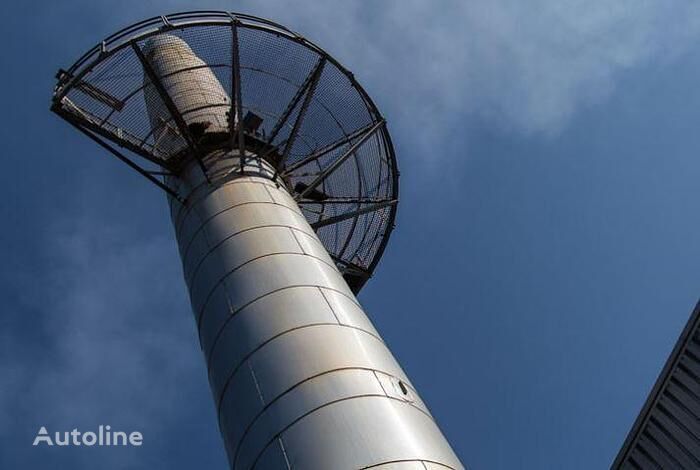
(350, 215)
(295, 100)
(339, 161)
(315, 77)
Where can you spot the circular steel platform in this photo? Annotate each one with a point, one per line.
(293, 105)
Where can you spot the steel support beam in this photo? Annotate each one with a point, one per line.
(340, 160)
(146, 174)
(351, 214)
(327, 149)
(315, 76)
(236, 113)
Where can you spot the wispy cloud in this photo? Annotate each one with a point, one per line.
(109, 341)
(527, 66)
(523, 66)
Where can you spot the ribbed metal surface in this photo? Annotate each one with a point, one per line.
(300, 377)
(283, 189)
(666, 435)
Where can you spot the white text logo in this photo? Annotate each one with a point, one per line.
(103, 437)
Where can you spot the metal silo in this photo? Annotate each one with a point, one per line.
(282, 186)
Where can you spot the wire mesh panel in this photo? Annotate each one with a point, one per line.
(276, 94)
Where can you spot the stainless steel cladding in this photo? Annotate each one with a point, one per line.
(283, 185)
(300, 377)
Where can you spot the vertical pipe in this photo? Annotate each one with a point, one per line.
(300, 377)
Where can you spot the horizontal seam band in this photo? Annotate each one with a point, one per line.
(190, 277)
(408, 460)
(220, 398)
(237, 311)
(308, 379)
(186, 251)
(373, 395)
(190, 207)
(203, 307)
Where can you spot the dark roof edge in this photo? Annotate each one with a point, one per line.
(661, 381)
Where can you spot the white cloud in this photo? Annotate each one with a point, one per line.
(525, 67)
(112, 340)
(528, 66)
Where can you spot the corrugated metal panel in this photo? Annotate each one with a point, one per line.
(666, 433)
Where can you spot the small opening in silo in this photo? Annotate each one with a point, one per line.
(404, 390)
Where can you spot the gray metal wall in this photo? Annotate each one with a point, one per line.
(300, 377)
(667, 432)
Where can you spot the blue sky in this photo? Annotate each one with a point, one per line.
(544, 263)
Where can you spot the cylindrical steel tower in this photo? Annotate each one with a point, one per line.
(281, 215)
